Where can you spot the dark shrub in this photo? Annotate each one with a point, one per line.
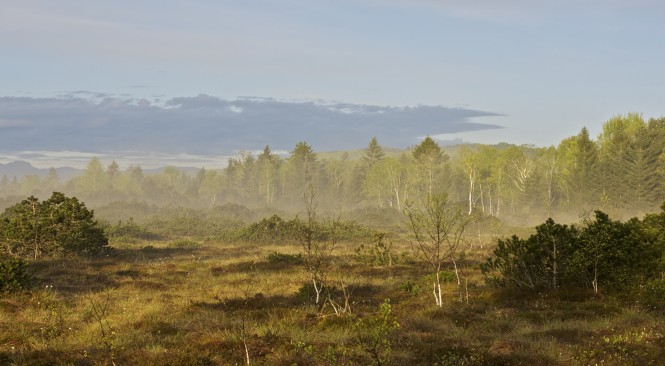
(13, 275)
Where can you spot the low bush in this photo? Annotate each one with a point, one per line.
(378, 253)
(540, 261)
(412, 288)
(60, 224)
(603, 254)
(232, 211)
(375, 334)
(271, 230)
(653, 293)
(13, 275)
(283, 258)
(277, 230)
(129, 230)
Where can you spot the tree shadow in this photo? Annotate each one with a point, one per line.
(43, 358)
(70, 276)
(150, 252)
(256, 302)
(249, 266)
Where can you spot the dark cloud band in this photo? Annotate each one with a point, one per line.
(210, 125)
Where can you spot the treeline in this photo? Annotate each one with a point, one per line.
(622, 172)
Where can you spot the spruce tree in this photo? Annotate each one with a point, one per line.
(373, 153)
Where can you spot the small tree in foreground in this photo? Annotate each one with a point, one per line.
(318, 243)
(374, 334)
(31, 229)
(437, 227)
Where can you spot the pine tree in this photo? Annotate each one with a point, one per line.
(304, 168)
(373, 153)
(642, 178)
(585, 170)
(31, 229)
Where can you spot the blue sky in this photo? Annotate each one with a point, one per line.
(540, 69)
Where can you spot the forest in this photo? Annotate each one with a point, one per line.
(457, 255)
(622, 172)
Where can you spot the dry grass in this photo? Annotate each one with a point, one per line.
(163, 304)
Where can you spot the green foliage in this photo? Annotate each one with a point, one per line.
(271, 230)
(306, 293)
(375, 334)
(373, 153)
(59, 224)
(604, 252)
(379, 253)
(277, 230)
(613, 254)
(412, 288)
(628, 348)
(462, 357)
(621, 171)
(444, 276)
(13, 275)
(654, 229)
(437, 226)
(429, 150)
(129, 230)
(541, 261)
(653, 293)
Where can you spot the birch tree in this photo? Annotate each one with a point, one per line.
(317, 245)
(437, 227)
(470, 166)
(268, 167)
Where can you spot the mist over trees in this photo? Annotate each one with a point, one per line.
(622, 172)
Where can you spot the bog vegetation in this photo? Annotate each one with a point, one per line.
(477, 255)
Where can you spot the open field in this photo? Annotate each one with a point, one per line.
(181, 302)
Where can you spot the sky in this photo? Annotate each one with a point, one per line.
(214, 77)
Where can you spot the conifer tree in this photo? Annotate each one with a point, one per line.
(373, 153)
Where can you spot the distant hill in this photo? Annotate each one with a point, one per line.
(20, 169)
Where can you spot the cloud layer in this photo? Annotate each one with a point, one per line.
(207, 125)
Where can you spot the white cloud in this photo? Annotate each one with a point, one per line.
(235, 109)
